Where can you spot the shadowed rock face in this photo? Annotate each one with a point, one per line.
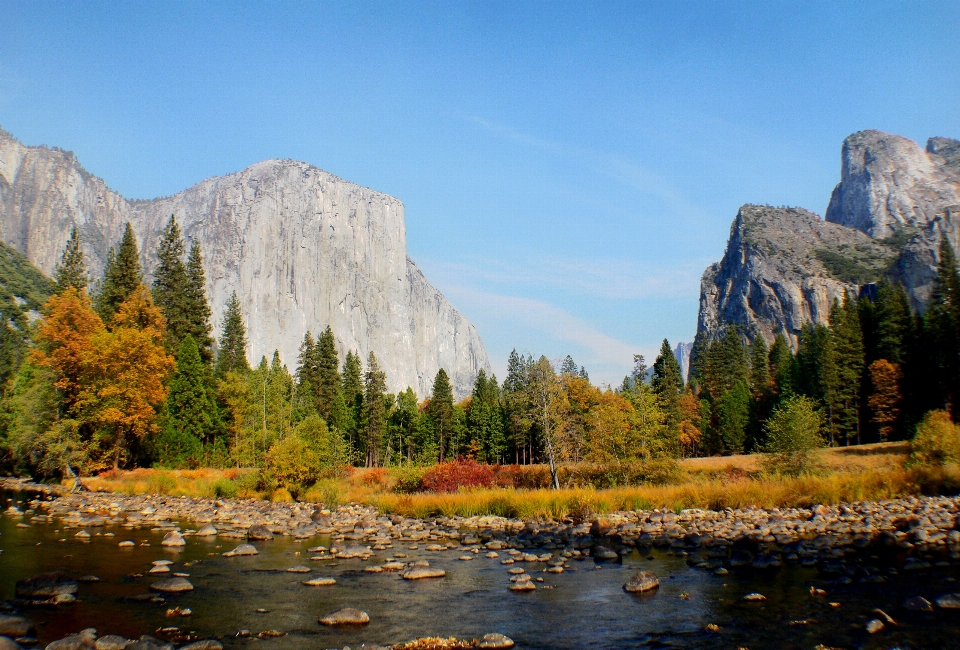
(783, 267)
(776, 272)
(301, 247)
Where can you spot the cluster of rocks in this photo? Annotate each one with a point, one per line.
(17, 631)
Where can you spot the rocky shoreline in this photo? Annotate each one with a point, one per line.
(911, 533)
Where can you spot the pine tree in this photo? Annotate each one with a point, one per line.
(667, 383)
(72, 270)
(170, 285)
(698, 357)
(328, 375)
(306, 368)
(441, 410)
(893, 321)
(942, 323)
(782, 366)
(121, 276)
(191, 413)
(404, 421)
(375, 387)
(485, 419)
(353, 399)
(196, 308)
(568, 367)
(733, 413)
(848, 346)
(760, 386)
(232, 351)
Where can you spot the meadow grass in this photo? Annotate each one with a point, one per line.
(857, 474)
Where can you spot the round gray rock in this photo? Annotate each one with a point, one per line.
(643, 581)
(346, 616)
(259, 533)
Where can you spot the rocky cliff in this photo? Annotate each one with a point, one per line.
(301, 247)
(784, 266)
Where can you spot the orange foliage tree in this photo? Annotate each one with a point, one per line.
(111, 380)
(885, 399)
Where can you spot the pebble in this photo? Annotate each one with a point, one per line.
(874, 625)
(918, 604)
(754, 597)
(299, 569)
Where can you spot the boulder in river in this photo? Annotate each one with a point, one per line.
(243, 549)
(643, 581)
(6, 643)
(321, 581)
(346, 616)
(172, 585)
(495, 642)
(111, 642)
(419, 572)
(949, 601)
(874, 625)
(259, 533)
(46, 585)
(14, 626)
(206, 531)
(918, 604)
(83, 641)
(173, 538)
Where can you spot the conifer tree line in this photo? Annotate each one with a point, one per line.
(120, 374)
(873, 372)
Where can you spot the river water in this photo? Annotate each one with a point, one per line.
(584, 607)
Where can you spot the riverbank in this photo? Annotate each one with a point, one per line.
(843, 549)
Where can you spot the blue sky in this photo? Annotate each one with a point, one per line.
(568, 170)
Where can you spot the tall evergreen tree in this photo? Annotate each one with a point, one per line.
(232, 350)
(405, 421)
(191, 411)
(441, 411)
(328, 374)
(760, 386)
(353, 399)
(121, 277)
(893, 320)
(848, 348)
(375, 388)
(170, 285)
(306, 368)
(667, 383)
(485, 420)
(72, 269)
(569, 366)
(942, 324)
(196, 307)
(782, 366)
(698, 357)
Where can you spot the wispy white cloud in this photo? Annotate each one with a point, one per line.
(614, 165)
(624, 280)
(548, 322)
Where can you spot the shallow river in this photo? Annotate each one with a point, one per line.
(584, 607)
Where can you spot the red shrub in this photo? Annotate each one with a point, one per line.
(452, 475)
(374, 477)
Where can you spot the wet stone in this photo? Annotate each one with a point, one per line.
(418, 573)
(173, 538)
(243, 549)
(918, 604)
(346, 616)
(172, 585)
(46, 585)
(15, 626)
(321, 581)
(643, 581)
(6, 643)
(259, 533)
(111, 642)
(874, 625)
(949, 601)
(495, 642)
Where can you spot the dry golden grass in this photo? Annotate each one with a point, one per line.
(867, 472)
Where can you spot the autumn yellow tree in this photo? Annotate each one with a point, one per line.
(111, 380)
(689, 425)
(885, 399)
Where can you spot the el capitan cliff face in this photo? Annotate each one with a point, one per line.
(301, 247)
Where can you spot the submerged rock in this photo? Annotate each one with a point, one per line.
(173, 538)
(15, 626)
(418, 573)
(495, 642)
(322, 581)
(243, 549)
(259, 533)
(46, 585)
(111, 642)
